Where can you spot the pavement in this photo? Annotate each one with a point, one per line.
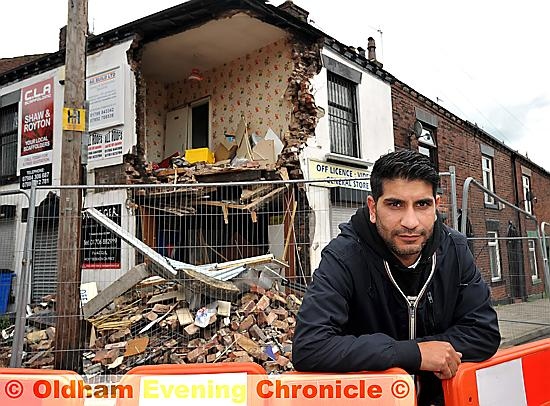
(523, 322)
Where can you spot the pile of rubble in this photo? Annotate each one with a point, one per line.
(166, 311)
(6, 340)
(153, 324)
(39, 336)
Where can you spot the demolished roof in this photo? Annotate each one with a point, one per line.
(168, 22)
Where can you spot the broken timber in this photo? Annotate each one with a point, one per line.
(116, 289)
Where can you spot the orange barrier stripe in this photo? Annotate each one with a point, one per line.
(535, 356)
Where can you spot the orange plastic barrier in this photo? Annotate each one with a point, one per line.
(248, 384)
(392, 387)
(160, 385)
(514, 376)
(40, 387)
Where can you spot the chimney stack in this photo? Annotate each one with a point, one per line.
(295, 10)
(371, 47)
(371, 50)
(62, 37)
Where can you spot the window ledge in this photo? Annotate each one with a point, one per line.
(536, 281)
(348, 160)
(492, 206)
(496, 280)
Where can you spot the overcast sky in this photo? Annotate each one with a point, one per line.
(486, 61)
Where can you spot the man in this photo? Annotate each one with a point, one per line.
(397, 288)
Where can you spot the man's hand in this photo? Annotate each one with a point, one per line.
(439, 357)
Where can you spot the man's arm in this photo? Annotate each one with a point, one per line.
(474, 331)
(319, 341)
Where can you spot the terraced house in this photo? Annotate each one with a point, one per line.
(241, 98)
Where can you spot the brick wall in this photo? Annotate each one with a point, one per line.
(459, 145)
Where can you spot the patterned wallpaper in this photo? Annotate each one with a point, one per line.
(155, 119)
(253, 85)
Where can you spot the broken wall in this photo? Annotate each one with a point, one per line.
(253, 85)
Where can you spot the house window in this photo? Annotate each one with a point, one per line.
(528, 203)
(488, 178)
(427, 145)
(8, 142)
(342, 113)
(494, 256)
(533, 260)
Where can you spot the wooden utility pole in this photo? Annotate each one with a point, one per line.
(67, 337)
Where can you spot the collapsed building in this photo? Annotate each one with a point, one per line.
(252, 92)
(213, 128)
(206, 123)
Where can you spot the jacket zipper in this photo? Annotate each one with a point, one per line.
(413, 301)
(412, 317)
(431, 313)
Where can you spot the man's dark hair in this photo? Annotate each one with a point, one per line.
(404, 164)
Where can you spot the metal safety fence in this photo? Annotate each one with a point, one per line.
(209, 272)
(171, 273)
(511, 253)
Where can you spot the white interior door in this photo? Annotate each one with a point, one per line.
(176, 131)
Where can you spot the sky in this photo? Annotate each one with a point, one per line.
(485, 61)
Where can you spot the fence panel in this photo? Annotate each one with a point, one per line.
(243, 254)
(215, 272)
(15, 260)
(506, 245)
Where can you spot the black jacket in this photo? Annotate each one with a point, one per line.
(353, 318)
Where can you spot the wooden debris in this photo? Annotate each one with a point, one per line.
(136, 346)
(177, 295)
(115, 289)
(184, 316)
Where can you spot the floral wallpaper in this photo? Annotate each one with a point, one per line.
(155, 119)
(253, 85)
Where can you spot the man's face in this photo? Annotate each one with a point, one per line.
(404, 216)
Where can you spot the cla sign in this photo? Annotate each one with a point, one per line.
(36, 94)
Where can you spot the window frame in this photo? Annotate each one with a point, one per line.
(526, 185)
(427, 144)
(11, 146)
(533, 260)
(352, 146)
(492, 244)
(488, 178)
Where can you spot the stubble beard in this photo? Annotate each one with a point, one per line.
(401, 251)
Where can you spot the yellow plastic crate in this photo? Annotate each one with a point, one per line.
(199, 155)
